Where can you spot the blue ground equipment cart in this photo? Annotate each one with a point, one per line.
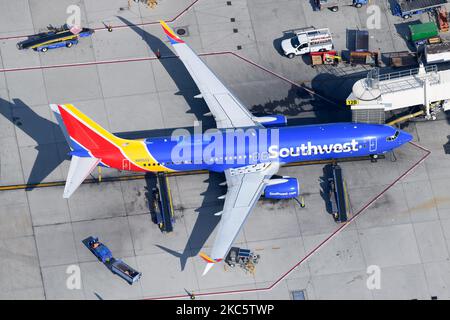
(116, 266)
(98, 249)
(407, 8)
(64, 36)
(124, 271)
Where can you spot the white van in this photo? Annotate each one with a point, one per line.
(312, 40)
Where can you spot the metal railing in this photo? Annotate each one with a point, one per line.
(407, 73)
(402, 80)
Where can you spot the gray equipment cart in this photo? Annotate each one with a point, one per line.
(334, 5)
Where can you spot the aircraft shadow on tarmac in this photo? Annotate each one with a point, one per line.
(49, 157)
(302, 108)
(447, 146)
(297, 101)
(205, 222)
(49, 154)
(325, 186)
(177, 71)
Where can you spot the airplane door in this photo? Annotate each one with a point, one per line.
(372, 144)
(126, 164)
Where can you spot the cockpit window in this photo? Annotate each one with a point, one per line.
(294, 42)
(393, 137)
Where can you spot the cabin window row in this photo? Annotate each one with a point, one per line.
(190, 162)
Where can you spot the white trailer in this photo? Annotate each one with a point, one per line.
(423, 86)
(437, 53)
(307, 41)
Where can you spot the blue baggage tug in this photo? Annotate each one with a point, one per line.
(98, 249)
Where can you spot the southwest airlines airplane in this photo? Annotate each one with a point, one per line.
(249, 169)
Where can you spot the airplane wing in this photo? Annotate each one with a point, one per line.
(225, 107)
(245, 186)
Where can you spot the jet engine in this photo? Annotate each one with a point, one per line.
(272, 121)
(282, 188)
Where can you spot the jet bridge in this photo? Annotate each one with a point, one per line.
(424, 86)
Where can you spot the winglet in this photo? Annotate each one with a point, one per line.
(205, 257)
(173, 38)
(207, 268)
(210, 262)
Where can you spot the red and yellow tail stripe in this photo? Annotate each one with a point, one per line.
(173, 38)
(208, 259)
(102, 144)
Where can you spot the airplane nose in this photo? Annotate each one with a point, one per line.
(404, 137)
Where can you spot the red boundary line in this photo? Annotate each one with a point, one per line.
(120, 26)
(84, 64)
(80, 64)
(310, 91)
(329, 238)
(332, 235)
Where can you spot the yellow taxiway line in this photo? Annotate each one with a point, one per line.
(169, 174)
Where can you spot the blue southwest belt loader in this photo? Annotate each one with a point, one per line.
(64, 36)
